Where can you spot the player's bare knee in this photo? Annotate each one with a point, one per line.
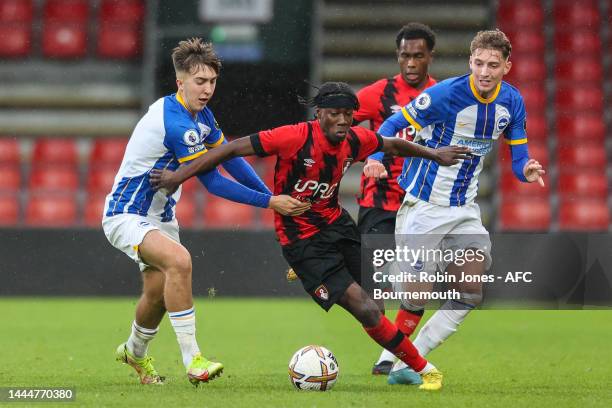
(179, 264)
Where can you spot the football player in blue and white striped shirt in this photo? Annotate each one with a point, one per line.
(141, 222)
(439, 211)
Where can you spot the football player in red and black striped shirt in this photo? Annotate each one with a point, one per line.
(380, 198)
(323, 244)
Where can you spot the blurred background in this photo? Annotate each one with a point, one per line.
(76, 75)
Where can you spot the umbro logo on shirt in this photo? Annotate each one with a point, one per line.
(309, 162)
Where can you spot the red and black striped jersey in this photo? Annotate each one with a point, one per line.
(377, 102)
(309, 167)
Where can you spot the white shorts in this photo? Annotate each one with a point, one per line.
(420, 224)
(127, 231)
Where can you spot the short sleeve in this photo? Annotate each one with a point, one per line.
(281, 141)
(427, 108)
(369, 142)
(516, 132)
(184, 142)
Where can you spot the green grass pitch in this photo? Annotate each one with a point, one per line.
(498, 358)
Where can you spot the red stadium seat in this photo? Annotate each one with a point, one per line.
(64, 40)
(580, 99)
(10, 178)
(92, 212)
(537, 128)
(16, 11)
(525, 215)
(583, 42)
(9, 210)
(107, 152)
(186, 212)
(512, 187)
(582, 156)
(55, 151)
(120, 42)
(122, 11)
(526, 41)
(51, 211)
(570, 14)
(54, 179)
(221, 213)
(527, 69)
(582, 128)
(583, 70)
(584, 215)
(75, 11)
(535, 99)
(9, 151)
(100, 179)
(537, 150)
(583, 184)
(520, 13)
(15, 40)
(190, 187)
(266, 219)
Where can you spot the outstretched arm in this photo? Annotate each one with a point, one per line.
(446, 156)
(223, 187)
(525, 169)
(242, 171)
(208, 161)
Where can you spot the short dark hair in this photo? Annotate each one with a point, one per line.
(492, 40)
(193, 53)
(415, 31)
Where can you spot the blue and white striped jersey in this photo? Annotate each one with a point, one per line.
(164, 137)
(453, 113)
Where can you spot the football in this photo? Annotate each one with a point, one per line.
(313, 368)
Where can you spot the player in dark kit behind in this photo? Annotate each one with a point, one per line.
(380, 198)
(323, 244)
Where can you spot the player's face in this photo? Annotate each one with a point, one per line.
(197, 87)
(488, 68)
(335, 123)
(414, 58)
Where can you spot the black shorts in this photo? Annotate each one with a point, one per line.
(376, 221)
(328, 262)
(377, 227)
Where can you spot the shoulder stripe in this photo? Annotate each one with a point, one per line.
(411, 121)
(192, 156)
(516, 142)
(217, 143)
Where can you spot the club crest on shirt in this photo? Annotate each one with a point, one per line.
(204, 130)
(191, 137)
(503, 118)
(422, 101)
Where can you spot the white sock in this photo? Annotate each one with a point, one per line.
(183, 323)
(139, 339)
(386, 355)
(441, 325)
(438, 328)
(427, 368)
